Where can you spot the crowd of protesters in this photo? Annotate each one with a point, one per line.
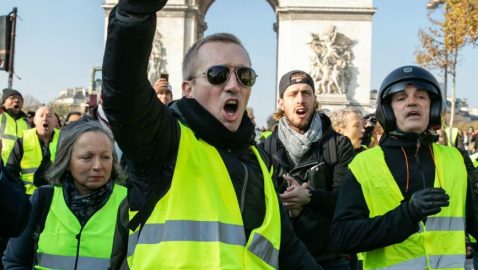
(143, 181)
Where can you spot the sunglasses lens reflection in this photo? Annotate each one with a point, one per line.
(219, 74)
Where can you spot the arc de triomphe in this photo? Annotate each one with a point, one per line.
(331, 39)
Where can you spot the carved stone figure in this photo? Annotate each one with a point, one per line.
(157, 59)
(330, 61)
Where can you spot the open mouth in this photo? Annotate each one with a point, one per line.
(231, 107)
(45, 125)
(413, 114)
(16, 107)
(301, 111)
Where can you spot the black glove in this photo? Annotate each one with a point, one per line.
(427, 202)
(141, 7)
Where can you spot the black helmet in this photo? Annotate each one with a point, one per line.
(397, 81)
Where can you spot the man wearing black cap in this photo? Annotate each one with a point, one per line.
(309, 159)
(13, 121)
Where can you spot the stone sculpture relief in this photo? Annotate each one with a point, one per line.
(157, 59)
(330, 61)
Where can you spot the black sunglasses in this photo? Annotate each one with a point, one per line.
(219, 74)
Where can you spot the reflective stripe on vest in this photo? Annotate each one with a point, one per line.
(436, 262)
(180, 230)
(66, 262)
(10, 131)
(62, 236)
(198, 222)
(424, 249)
(32, 156)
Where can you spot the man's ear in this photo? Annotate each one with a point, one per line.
(187, 89)
(280, 103)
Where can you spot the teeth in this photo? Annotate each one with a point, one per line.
(231, 102)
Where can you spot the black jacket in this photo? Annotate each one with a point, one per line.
(323, 167)
(14, 205)
(353, 231)
(148, 133)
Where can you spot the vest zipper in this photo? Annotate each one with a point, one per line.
(244, 187)
(417, 158)
(78, 238)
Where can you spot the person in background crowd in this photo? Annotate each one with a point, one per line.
(57, 121)
(471, 140)
(34, 153)
(195, 173)
(72, 117)
(163, 90)
(250, 114)
(349, 122)
(73, 222)
(442, 139)
(369, 124)
(30, 116)
(13, 121)
(271, 124)
(401, 201)
(309, 160)
(96, 113)
(376, 135)
(455, 137)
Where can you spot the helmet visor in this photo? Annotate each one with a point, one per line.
(432, 90)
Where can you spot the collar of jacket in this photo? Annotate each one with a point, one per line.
(21, 114)
(192, 114)
(407, 139)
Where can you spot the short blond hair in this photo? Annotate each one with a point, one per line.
(190, 64)
(338, 117)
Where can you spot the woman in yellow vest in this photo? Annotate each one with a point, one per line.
(405, 203)
(72, 223)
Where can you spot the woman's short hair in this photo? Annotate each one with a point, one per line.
(339, 117)
(68, 136)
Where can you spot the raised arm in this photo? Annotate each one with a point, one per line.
(142, 126)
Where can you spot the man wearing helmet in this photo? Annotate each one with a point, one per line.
(404, 203)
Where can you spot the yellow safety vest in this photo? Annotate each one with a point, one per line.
(266, 134)
(32, 156)
(198, 223)
(10, 131)
(474, 158)
(64, 244)
(451, 138)
(440, 243)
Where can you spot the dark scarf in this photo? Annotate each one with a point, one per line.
(17, 116)
(208, 128)
(83, 207)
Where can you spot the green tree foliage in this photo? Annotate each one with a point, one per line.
(455, 28)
